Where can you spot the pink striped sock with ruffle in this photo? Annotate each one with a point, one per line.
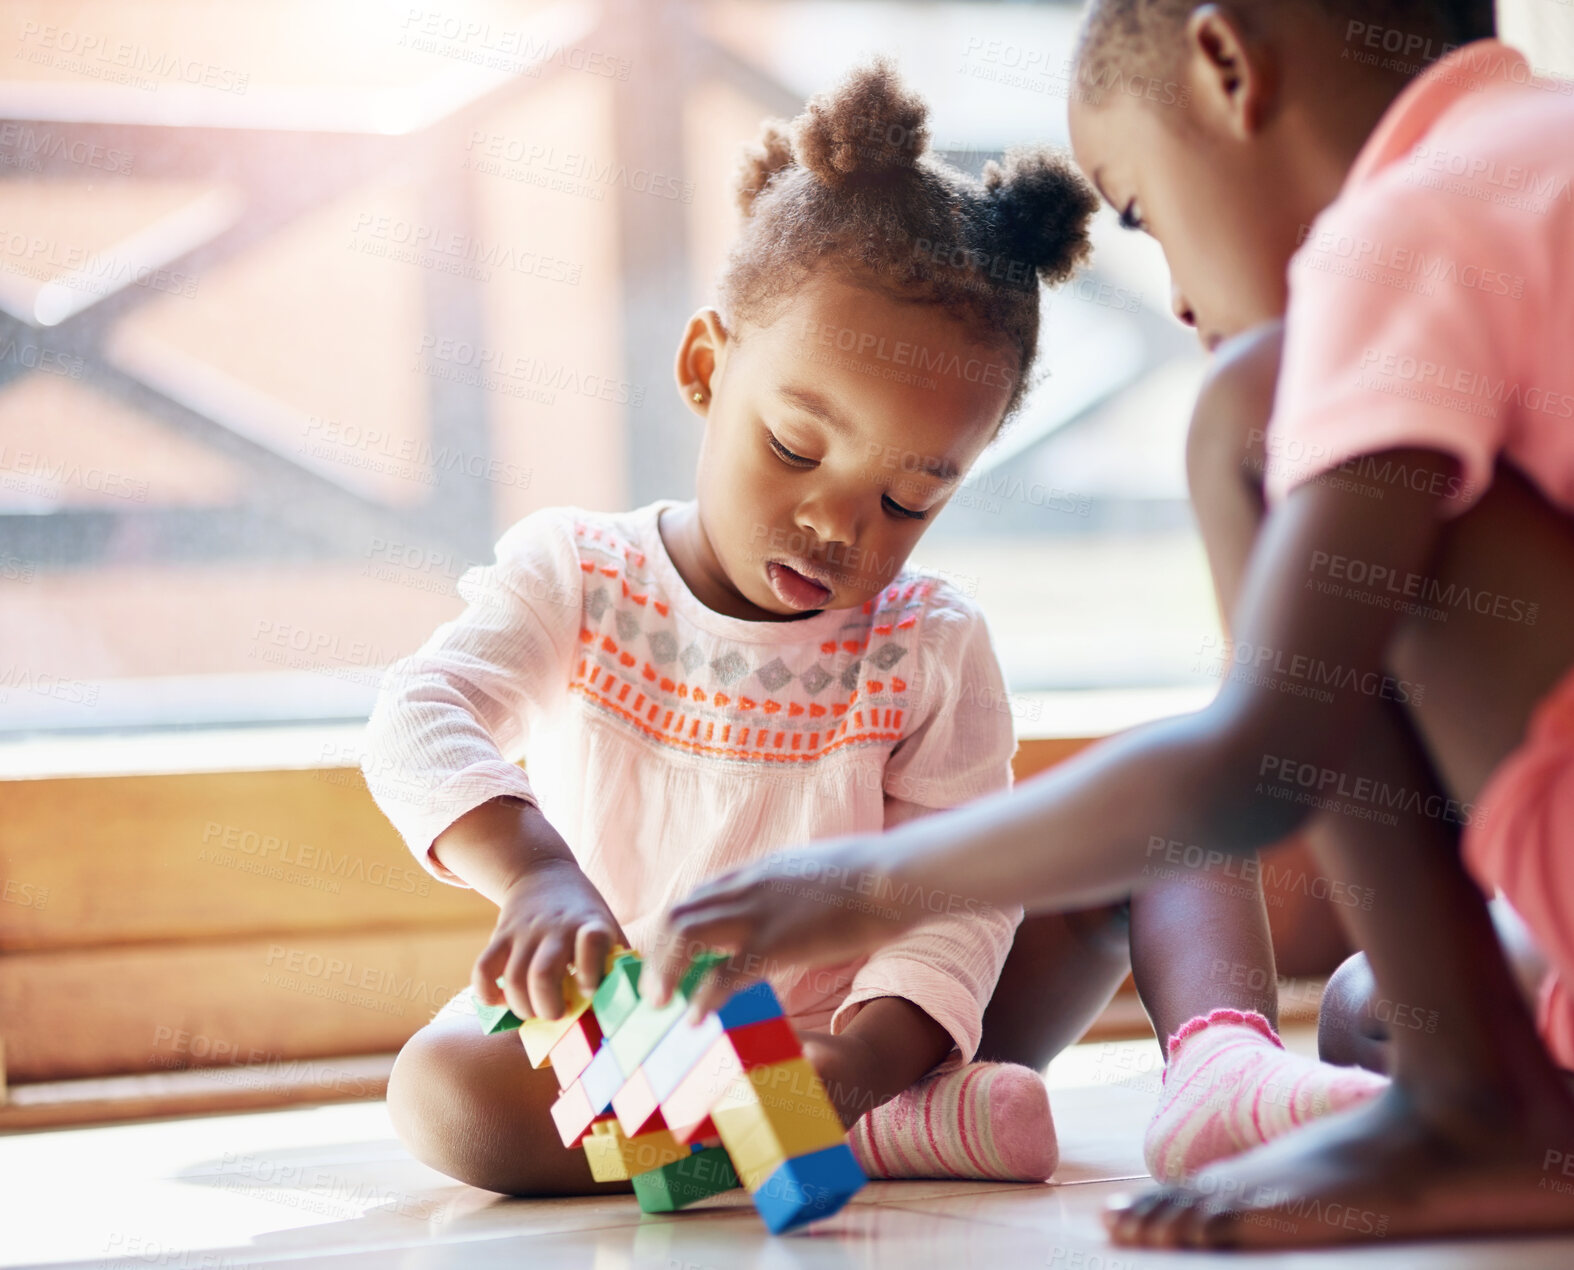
(985, 1120)
(1230, 1085)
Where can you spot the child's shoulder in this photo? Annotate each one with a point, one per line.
(1481, 177)
(934, 604)
(1236, 394)
(586, 534)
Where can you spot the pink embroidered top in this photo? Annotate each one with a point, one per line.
(667, 742)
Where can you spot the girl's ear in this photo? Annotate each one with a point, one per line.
(700, 357)
(1232, 76)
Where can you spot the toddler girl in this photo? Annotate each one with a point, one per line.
(694, 684)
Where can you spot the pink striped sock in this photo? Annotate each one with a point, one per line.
(985, 1120)
(1230, 1086)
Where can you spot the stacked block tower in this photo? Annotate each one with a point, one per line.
(685, 1110)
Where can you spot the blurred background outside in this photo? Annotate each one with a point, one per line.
(302, 304)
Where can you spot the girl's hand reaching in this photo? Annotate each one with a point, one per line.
(802, 908)
(549, 918)
(549, 913)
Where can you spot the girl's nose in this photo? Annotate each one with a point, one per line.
(1181, 307)
(829, 519)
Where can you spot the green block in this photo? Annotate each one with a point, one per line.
(645, 1025)
(697, 968)
(495, 1018)
(685, 1181)
(618, 994)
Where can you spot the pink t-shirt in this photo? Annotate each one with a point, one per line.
(1430, 304)
(667, 742)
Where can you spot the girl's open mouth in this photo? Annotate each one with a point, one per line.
(795, 589)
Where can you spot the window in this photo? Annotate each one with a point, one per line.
(301, 305)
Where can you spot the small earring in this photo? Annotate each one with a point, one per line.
(699, 398)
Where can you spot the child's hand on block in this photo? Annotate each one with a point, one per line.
(813, 907)
(549, 920)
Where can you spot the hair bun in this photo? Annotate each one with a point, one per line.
(868, 125)
(1042, 209)
(770, 153)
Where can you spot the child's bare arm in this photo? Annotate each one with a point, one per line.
(1080, 834)
(1206, 778)
(549, 913)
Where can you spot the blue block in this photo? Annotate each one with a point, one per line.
(753, 1004)
(677, 1052)
(602, 1079)
(808, 1187)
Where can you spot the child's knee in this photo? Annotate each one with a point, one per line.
(1345, 1023)
(423, 1091)
(454, 1107)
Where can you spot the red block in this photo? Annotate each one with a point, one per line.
(704, 1132)
(573, 1052)
(573, 1115)
(636, 1106)
(687, 1108)
(769, 1041)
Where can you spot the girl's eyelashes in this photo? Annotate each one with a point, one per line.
(799, 461)
(896, 509)
(786, 455)
(1130, 216)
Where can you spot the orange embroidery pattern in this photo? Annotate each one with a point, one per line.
(691, 717)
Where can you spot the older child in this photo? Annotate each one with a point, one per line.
(1416, 527)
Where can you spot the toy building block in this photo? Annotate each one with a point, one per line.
(573, 1115)
(677, 1052)
(770, 1114)
(618, 995)
(684, 1182)
(636, 1106)
(647, 1024)
(688, 1107)
(649, 1096)
(496, 1018)
(601, 1079)
(575, 1049)
(753, 1004)
(540, 1035)
(650, 1151)
(616, 1157)
(808, 1187)
(602, 1154)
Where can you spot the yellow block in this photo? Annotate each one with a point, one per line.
(606, 1161)
(651, 1151)
(615, 1157)
(754, 1156)
(771, 1114)
(540, 1035)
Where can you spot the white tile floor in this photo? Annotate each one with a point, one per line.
(330, 1186)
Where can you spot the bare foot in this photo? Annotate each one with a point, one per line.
(1382, 1171)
